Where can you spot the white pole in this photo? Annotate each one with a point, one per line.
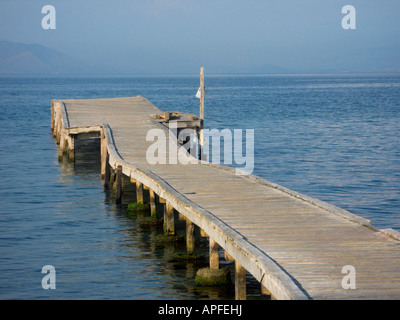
(201, 138)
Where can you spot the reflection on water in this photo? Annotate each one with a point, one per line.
(152, 266)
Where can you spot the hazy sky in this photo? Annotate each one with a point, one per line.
(179, 36)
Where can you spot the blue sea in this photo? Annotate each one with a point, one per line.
(331, 137)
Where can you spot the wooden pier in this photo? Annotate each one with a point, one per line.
(295, 246)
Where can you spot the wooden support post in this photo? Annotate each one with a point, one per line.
(265, 291)
(228, 257)
(58, 127)
(103, 153)
(118, 185)
(62, 142)
(190, 241)
(71, 147)
(214, 254)
(61, 147)
(112, 177)
(55, 133)
(107, 173)
(153, 208)
(58, 136)
(139, 192)
(165, 217)
(169, 220)
(203, 233)
(54, 121)
(240, 282)
(52, 115)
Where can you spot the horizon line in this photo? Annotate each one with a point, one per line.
(150, 74)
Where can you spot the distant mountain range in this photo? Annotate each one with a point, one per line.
(35, 59)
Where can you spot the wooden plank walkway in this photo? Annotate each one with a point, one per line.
(294, 245)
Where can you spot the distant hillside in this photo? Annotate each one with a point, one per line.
(35, 59)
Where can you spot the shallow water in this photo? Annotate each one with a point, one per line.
(330, 137)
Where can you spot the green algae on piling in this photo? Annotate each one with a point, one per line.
(136, 207)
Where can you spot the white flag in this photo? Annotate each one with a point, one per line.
(198, 94)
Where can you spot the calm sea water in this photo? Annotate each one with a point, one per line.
(333, 137)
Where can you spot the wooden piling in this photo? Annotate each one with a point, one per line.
(240, 282)
(55, 123)
(71, 147)
(61, 147)
(139, 192)
(153, 208)
(265, 291)
(58, 127)
(112, 177)
(54, 120)
(203, 233)
(52, 115)
(169, 221)
(190, 241)
(181, 217)
(103, 153)
(228, 257)
(107, 173)
(161, 200)
(62, 142)
(118, 185)
(214, 254)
